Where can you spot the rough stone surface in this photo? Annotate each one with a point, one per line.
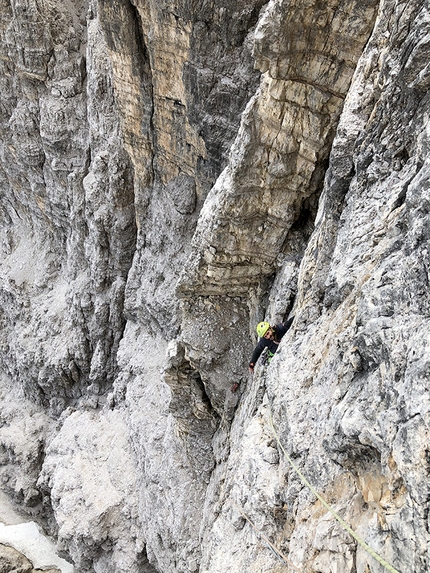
(13, 561)
(170, 174)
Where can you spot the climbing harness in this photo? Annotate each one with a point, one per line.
(345, 526)
(266, 356)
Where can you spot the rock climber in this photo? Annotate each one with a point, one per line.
(270, 337)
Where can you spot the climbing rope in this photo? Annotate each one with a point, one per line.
(278, 553)
(345, 526)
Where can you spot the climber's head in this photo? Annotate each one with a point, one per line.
(263, 328)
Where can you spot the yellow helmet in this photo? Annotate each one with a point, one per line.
(262, 328)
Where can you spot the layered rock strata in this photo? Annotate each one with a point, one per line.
(170, 174)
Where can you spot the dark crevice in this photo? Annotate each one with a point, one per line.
(402, 156)
(200, 391)
(400, 199)
(144, 564)
(219, 51)
(123, 31)
(305, 221)
(289, 308)
(143, 62)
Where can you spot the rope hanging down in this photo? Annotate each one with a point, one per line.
(345, 526)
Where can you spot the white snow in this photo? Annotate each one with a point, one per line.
(28, 539)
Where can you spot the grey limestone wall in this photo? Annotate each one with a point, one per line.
(170, 174)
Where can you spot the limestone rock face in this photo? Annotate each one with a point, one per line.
(12, 560)
(171, 173)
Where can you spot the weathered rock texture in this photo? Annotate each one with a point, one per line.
(171, 173)
(13, 560)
